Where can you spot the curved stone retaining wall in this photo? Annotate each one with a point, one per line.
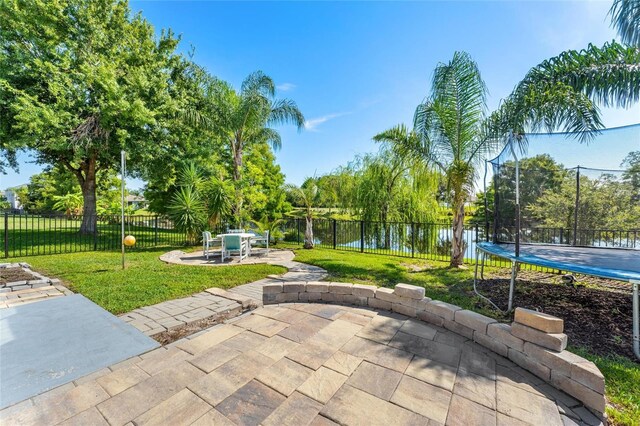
(534, 341)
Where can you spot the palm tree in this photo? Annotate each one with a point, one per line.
(307, 196)
(625, 16)
(245, 120)
(455, 134)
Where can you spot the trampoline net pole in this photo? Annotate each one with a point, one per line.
(575, 207)
(636, 319)
(517, 212)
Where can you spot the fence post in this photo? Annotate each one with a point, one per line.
(95, 236)
(6, 234)
(362, 236)
(335, 237)
(413, 239)
(155, 236)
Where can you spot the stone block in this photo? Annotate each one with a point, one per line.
(560, 362)
(556, 342)
(590, 398)
(403, 309)
(387, 295)
(379, 303)
(430, 318)
(409, 291)
(268, 299)
(422, 303)
(294, 287)
(491, 343)
(530, 364)
(539, 321)
(272, 288)
(340, 288)
(290, 297)
(411, 303)
(350, 299)
(458, 328)
(317, 287)
(310, 297)
(473, 320)
(329, 297)
(502, 333)
(588, 374)
(363, 290)
(443, 309)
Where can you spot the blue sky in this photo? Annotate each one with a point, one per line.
(357, 68)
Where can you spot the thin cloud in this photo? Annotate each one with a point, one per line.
(312, 124)
(285, 87)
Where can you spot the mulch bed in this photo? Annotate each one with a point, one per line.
(9, 275)
(597, 316)
(178, 333)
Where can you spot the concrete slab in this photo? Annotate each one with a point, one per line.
(47, 344)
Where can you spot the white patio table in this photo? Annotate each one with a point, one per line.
(244, 236)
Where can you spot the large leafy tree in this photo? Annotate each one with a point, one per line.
(80, 80)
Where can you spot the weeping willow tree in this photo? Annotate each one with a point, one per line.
(391, 191)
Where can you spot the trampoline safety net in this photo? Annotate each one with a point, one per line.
(571, 193)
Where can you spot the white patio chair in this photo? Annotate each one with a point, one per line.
(234, 244)
(236, 231)
(261, 239)
(208, 242)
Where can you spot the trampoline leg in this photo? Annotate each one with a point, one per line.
(475, 281)
(636, 318)
(483, 254)
(514, 272)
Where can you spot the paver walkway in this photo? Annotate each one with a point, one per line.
(215, 302)
(29, 291)
(301, 364)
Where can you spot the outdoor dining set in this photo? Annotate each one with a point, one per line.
(233, 242)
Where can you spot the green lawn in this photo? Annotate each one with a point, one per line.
(145, 281)
(455, 285)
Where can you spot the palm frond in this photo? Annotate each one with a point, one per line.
(609, 74)
(625, 17)
(258, 83)
(285, 111)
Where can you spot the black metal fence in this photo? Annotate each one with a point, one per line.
(433, 241)
(417, 240)
(29, 235)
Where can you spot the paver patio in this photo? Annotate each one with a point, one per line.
(299, 364)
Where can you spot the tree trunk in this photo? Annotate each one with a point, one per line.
(88, 185)
(237, 181)
(308, 234)
(457, 246)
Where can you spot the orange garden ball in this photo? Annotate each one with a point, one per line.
(129, 240)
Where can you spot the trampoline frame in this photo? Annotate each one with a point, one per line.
(482, 250)
(531, 260)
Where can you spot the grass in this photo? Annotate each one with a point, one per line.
(146, 280)
(622, 375)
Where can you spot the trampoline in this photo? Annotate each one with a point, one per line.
(514, 235)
